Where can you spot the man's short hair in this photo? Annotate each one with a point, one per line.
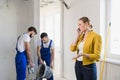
(44, 34)
(32, 29)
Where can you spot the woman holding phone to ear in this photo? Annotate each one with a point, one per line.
(88, 47)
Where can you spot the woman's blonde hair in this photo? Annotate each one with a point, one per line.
(86, 20)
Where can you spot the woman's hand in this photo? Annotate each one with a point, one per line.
(74, 58)
(79, 32)
(78, 55)
(77, 38)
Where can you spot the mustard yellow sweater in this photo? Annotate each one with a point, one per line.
(92, 46)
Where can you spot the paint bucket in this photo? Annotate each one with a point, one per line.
(44, 71)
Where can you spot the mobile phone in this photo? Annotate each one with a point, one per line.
(78, 29)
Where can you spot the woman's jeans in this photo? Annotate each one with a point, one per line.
(85, 72)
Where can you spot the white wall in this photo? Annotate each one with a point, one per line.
(15, 17)
(78, 8)
(8, 32)
(111, 70)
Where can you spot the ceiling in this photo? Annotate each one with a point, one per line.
(44, 3)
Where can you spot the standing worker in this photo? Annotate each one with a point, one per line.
(88, 47)
(23, 56)
(45, 51)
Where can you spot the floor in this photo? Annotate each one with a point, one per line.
(58, 78)
(32, 77)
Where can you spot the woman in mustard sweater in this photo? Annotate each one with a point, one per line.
(88, 48)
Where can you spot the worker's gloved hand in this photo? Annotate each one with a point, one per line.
(31, 64)
(41, 61)
(31, 68)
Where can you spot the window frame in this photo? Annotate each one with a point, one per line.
(106, 20)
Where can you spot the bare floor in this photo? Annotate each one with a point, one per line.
(58, 78)
(31, 77)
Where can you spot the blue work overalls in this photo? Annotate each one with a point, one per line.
(46, 55)
(20, 63)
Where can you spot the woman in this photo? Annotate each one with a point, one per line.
(88, 47)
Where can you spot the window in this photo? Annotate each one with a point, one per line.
(114, 28)
(110, 15)
(50, 22)
(51, 25)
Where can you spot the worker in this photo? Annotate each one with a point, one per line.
(23, 56)
(45, 51)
